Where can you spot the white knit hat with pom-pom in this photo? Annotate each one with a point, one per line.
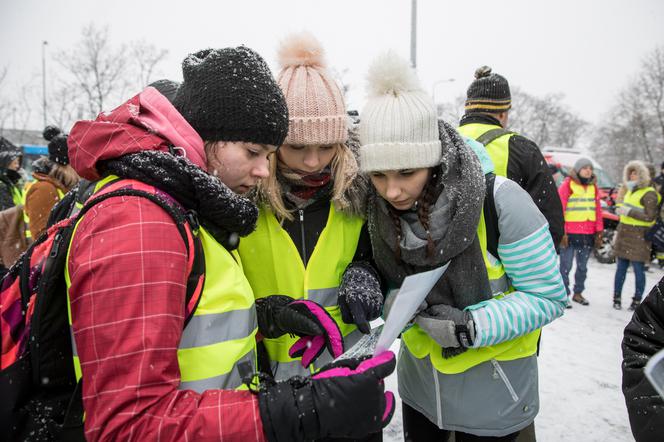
(316, 109)
(398, 125)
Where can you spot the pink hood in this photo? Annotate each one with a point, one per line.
(147, 121)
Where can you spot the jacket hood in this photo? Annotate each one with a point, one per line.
(641, 169)
(147, 121)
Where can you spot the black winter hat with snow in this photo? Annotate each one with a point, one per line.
(230, 94)
(57, 145)
(8, 152)
(489, 92)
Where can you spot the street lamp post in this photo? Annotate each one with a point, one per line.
(413, 33)
(44, 44)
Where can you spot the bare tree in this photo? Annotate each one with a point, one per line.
(146, 58)
(651, 83)
(97, 69)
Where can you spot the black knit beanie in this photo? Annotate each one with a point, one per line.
(230, 95)
(488, 93)
(8, 152)
(57, 145)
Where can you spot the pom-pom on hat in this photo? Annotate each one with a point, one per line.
(399, 126)
(230, 94)
(316, 109)
(57, 145)
(489, 92)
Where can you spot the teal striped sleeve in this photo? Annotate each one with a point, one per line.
(531, 264)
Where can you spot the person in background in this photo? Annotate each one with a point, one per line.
(11, 193)
(644, 336)
(54, 177)
(468, 365)
(583, 225)
(486, 118)
(638, 208)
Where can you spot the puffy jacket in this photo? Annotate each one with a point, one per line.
(128, 279)
(644, 336)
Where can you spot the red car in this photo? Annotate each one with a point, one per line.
(560, 162)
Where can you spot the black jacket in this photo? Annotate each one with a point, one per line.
(644, 336)
(527, 167)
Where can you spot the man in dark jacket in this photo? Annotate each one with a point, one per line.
(487, 107)
(644, 336)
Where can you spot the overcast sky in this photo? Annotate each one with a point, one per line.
(587, 50)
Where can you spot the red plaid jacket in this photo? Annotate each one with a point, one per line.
(127, 264)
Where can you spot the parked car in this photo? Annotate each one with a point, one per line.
(561, 161)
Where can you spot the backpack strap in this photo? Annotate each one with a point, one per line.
(492, 134)
(186, 223)
(491, 216)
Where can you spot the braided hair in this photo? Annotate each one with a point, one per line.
(423, 206)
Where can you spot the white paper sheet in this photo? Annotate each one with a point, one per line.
(655, 371)
(413, 291)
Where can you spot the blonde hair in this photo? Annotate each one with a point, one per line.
(344, 170)
(65, 175)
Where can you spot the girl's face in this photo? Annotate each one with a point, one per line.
(633, 175)
(239, 165)
(400, 188)
(305, 160)
(586, 172)
(15, 164)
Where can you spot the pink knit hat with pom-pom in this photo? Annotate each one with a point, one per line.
(316, 109)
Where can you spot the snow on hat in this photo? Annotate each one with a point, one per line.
(316, 109)
(57, 145)
(581, 163)
(8, 152)
(489, 92)
(230, 94)
(399, 126)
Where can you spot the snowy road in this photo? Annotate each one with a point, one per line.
(579, 367)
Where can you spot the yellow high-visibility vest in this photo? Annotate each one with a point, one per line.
(221, 334)
(421, 345)
(581, 203)
(273, 267)
(633, 201)
(498, 149)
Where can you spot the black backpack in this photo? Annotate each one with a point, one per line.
(40, 398)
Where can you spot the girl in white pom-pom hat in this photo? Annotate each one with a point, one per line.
(468, 364)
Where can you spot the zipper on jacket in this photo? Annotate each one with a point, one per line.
(439, 406)
(498, 372)
(303, 247)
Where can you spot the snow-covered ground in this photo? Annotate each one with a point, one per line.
(579, 366)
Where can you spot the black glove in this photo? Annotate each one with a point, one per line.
(360, 298)
(279, 314)
(345, 399)
(276, 317)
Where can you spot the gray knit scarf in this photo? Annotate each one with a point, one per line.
(453, 226)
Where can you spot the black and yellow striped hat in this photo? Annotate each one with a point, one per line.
(488, 92)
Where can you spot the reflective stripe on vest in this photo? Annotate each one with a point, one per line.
(581, 203)
(421, 345)
(633, 201)
(274, 267)
(498, 149)
(221, 334)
